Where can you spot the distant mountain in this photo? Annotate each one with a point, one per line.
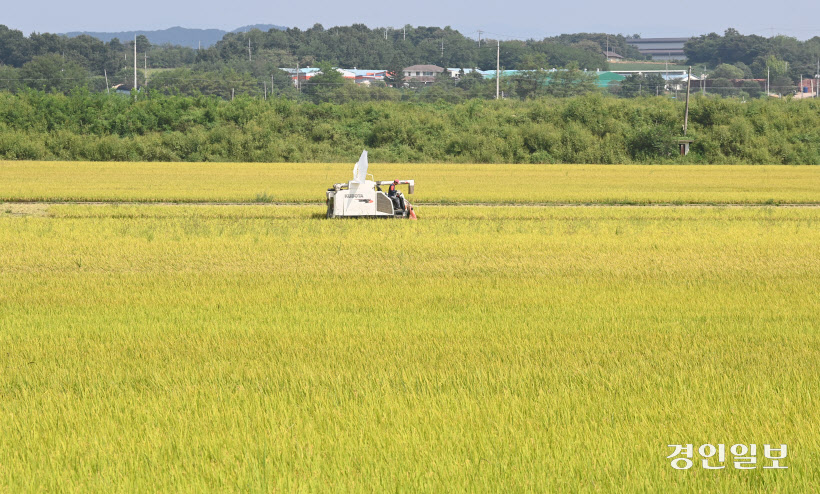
(177, 35)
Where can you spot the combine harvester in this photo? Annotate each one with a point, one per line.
(362, 198)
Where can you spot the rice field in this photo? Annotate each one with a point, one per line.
(444, 184)
(159, 347)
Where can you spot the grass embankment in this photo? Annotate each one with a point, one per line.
(523, 184)
(164, 348)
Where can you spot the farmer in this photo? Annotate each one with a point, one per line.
(391, 193)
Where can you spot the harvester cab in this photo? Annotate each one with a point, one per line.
(364, 198)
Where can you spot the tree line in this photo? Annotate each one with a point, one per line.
(381, 48)
(248, 63)
(345, 46)
(593, 128)
(58, 63)
(742, 56)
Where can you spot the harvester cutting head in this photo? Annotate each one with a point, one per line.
(364, 198)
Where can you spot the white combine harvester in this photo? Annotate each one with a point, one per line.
(364, 198)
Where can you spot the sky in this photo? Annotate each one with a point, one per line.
(508, 19)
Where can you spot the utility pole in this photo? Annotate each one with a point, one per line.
(298, 85)
(767, 81)
(135, 67)
(442, 50)
(479, 38)
(498, 69)
(385, 34)
(686, 111)
(249, 48)
(404, 33)
(817, 79)
(107, 87)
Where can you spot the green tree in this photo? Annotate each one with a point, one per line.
(635, 85)
(471, 80)
(321, 86)
(727, 71)
(282, 83)
(776, 66)
(713, 49)
(395, 71)
(570, 81)
(650, 142)
(616, 43)
(744, 69)
(10, 78)
(126, 76)
(143, 45)
(14, 47)
(782, 85)
(445, 80)
(752, 88)
(52, 73)
(722, 86)
(532, 84)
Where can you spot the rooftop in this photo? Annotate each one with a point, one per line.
(424, 68)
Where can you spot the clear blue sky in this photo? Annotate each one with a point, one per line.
(513, 18)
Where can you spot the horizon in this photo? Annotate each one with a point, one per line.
(519, 19)
(486, 34)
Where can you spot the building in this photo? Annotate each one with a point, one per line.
(666, 74)
(455, 72)
(611, 56)
(302, 74)
(422, 73)
(660, 48)
(675, 78)
(490, 74)
(808, 88)
(367, 77)
(349, 75)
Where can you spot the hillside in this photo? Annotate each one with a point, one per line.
(180, 36)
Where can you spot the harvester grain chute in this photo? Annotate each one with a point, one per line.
(364, 198)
